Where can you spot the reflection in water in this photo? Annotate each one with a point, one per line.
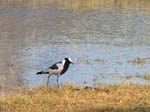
(100, 36)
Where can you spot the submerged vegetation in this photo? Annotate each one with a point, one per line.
(139, 60)
(145, 76)
(104, 98)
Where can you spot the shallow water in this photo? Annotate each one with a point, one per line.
(100, 37)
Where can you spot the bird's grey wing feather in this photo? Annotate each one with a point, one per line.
(55, 69)
(54, 66)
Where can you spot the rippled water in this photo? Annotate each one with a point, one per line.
(100, 39)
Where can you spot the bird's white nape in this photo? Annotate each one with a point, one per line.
(70, 59)
(63, 62)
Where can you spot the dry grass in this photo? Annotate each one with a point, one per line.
(147, 76)
(105, 98)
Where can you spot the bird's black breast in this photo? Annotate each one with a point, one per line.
(66, 66)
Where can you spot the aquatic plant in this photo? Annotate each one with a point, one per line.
(138, 60)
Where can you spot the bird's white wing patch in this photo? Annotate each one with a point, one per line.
(63, 62)
(60, 66)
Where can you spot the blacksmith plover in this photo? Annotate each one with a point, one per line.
(57, 69)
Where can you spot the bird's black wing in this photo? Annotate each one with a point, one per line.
(54, 66)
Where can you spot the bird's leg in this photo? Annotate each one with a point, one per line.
(48, 79)
(57, 82)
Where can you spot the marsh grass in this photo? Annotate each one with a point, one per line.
(105, 98)
(139, 60)
(147, 76)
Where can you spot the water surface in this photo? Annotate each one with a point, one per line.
(100, 37)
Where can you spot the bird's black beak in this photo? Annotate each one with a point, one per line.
(72, 63)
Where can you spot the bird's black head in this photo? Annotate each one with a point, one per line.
(68, 60)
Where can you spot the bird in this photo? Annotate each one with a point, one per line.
(57, 69)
